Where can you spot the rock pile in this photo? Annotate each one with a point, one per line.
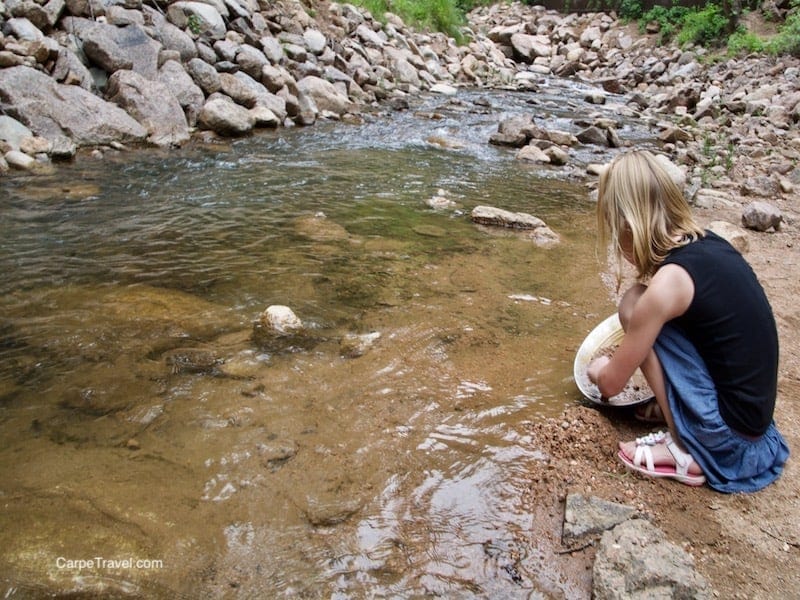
(80, 73)
(77, 73)
(731, 121)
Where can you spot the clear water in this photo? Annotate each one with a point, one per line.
(139, 420)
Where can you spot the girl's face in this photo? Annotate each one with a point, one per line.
(626, 243)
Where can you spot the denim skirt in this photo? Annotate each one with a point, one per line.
(730, 461)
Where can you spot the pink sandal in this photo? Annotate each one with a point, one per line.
(644, 453)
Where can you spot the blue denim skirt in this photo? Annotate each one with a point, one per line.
(730, 461)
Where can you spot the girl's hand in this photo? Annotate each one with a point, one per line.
(593, 371)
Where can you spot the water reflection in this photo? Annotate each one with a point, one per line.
(139, 419)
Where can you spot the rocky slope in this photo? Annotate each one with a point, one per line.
(84, 73)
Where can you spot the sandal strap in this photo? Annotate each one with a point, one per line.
(643, 451)
(683, 460)
(651, 439)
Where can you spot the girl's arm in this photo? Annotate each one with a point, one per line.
(667, 296)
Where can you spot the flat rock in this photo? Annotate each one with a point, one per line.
(634, 560)
(585, 516)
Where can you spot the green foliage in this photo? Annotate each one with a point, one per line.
(706, 27)
(194, 24)
(788, 39)
(744, 42)
(669, 20)
(631, 10)
(447, 16)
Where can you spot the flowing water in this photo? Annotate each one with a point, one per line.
(140, 422)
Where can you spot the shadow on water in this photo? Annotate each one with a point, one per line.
(140, 422)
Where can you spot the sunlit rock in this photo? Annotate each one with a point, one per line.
(736, 236)
(532, 154)
(531, 227)
(497, 217)
(280, 320)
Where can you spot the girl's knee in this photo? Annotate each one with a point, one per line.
(627, 303)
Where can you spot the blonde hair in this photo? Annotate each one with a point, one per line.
(636, 193)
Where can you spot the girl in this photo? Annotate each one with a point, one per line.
(701, 330)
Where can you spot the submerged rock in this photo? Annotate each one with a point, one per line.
(355, 345)
(192, 360)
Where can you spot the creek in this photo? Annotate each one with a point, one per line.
(139, 422)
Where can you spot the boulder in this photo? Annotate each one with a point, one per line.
(761, 216)
(325, 95)
(115, 48)
(204, 75)
(354, 345)
(225, 117)
(736, 236)
(152, 104)
(174, 38)
(251, 60)
(532, 153)
(20, 160)
(489, 215)
(70, 70)
(183, 88)
(53, 110)
(589, 516)
(634, 560)
(529, 47)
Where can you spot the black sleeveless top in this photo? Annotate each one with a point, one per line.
(731, 324)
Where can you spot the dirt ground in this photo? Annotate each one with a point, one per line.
(746, 545)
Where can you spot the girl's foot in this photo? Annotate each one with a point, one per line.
(657, 455)
(649, 412)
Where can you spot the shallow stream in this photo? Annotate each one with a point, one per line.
(139, 421)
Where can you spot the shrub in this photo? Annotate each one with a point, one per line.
(788, 39)
(744, 42)
(669, 19)
(631, 10)
(706, 27)
(446, 16)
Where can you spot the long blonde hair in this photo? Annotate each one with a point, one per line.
(637, 194)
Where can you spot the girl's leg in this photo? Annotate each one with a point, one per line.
(654, 374)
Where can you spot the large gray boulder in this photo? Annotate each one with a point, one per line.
(204, 75)
(53, 110)
(176, 39)
(69, 70)
(182, 86)
(152, 104)
(325, 95)
(114, 48)
(225, 117)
